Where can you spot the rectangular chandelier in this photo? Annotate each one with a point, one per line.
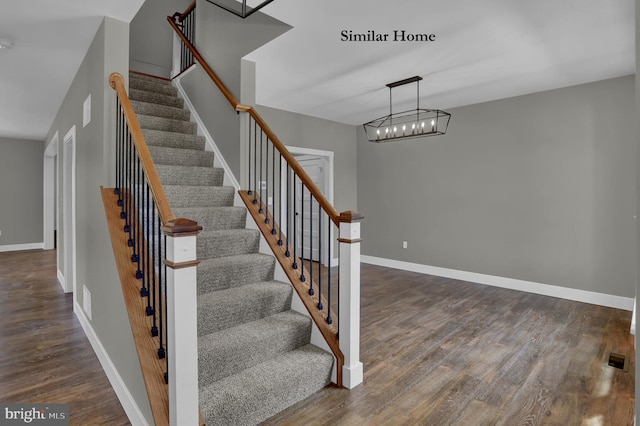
(418, 122)
(241, 9)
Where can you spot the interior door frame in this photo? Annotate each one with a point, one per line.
(69, 211)
(327, 157)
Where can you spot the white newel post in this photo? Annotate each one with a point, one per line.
(182, 322)
(349, 321)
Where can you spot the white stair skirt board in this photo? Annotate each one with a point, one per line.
(21, 247)
(122, 392)
(608, 300)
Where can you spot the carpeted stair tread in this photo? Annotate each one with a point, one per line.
(227, 242)
(152, 84)
(155, 110)
(218, 310)
(174, 139)
(181, 157)
(193, 176)
(155, 98)
(234, 271)
(231, 350)
(255, 394)
(199, 196)
(166, 124)
(215, 218)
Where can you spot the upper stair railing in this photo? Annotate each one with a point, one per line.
(300, 225)
(156, 257)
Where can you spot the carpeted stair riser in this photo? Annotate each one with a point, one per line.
(141, 82)
(146, 108)
(174, 139)
(155, 98)
(234, 271)
(254, 395)
(214, 218)
(228, 308)
(181, 157)
(212, 244)
(232, 350)
(167, 125)
(192, 176)
(199, 196)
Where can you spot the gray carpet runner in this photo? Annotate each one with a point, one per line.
(254, 352)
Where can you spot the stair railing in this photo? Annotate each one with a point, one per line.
(186, 22)
(300, 226)
(163, 254)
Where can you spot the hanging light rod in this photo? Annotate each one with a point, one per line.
(239, 8)
(418, 122)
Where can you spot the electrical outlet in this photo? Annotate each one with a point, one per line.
(404, 244)
(86, 301)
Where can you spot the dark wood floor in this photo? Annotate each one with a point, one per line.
(45, 356)
(444, 352)
(436, 352)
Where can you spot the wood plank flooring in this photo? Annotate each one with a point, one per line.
(45, 356)
(439, 352)
(436, 352)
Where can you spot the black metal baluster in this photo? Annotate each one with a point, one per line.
(311, 244)
(295, 222)
(280, 242)
(329, 320)
(319, 254)
(250, 191)
(273, 190)
(163, 330)
(288, 212)
(266, 181)
(151, 300)
(118, 139)
(255, 162)
(302, 227)
(144, 291)
(261, 210)
(162, 288)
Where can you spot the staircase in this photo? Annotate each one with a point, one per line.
(254, 352)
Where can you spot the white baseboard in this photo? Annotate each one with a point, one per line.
(21, 247)
(128, 403)
(611, 301)
(61, 280)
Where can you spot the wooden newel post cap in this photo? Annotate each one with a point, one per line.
(181, 227)
(350, 216)
(115, 76)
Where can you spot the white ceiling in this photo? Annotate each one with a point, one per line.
(51, 37)
(484, 50)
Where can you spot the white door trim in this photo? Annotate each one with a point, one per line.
(69, 211)
(327, 157)
(49, 191)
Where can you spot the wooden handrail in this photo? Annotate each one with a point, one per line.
(116, 80)
(205, 66)
(186, 12)
(289, 158)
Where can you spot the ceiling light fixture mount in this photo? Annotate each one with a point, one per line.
(407, 124)
(5, 43)
(241, 8)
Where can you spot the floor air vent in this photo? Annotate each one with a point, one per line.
(618, 361)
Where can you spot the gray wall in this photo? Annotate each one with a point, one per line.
(95, 159)
(316, 133)
(223, 39)
(538, 188)
(20, 191)
(151, 37)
